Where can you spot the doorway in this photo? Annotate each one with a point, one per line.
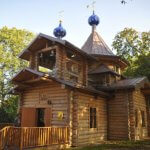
(40, 117)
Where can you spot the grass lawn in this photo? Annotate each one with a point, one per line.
(119, 145)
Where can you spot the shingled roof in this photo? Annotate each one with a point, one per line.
(103, 69)
(127, 84)
(37, 43)
(96, 45)
(26, 74)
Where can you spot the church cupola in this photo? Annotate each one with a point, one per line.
(59, 32)
(95, 44)
(93, 20)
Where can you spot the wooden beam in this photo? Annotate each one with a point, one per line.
(38, 79)
(33, 80)
(21, 84)
(48, 49)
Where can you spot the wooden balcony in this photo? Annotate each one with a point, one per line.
(30, 137)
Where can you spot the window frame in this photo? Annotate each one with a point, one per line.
(136, 118)
(143, 118)
(93, 117)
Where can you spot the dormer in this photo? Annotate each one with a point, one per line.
(57, 58)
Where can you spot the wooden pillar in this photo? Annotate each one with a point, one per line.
(58, 62)
(148, 113)
(34, 61)
(73, 118)
(19, 111)
(70, 117)
(85, 73)
(131, 116)
(65, 71)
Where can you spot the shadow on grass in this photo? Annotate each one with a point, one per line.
(119, 145)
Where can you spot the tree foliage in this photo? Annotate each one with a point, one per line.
(134, 47)
(12, 42)
(8, 109)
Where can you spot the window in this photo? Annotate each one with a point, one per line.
(117, 69)
(74, 70)
(148, 101)
(40, 117)
(136, 118)
(107, 78)
(47, 61)
(143, 118)
(93, 123)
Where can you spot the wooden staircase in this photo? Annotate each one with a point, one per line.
(17, 138)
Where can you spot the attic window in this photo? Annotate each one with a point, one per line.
(47, 61)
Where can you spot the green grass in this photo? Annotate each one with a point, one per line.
(119, 145)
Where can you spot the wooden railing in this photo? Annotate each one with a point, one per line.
(26, 137)
(2, 125)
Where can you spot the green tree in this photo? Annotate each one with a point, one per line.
(8, 110)
(12, 42)
(134, 47)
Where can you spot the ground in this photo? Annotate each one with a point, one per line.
(119, 145)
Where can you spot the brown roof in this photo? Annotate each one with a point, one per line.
(28, 74)
(103, 69)
(127, 84)
(37, 44)
(96, 45)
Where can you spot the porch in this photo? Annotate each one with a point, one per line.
(30, 137)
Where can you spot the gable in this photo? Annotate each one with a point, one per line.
(42, 40)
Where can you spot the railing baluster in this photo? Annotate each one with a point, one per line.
(25, 137)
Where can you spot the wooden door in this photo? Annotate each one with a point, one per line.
(28, 117)
(47, 117)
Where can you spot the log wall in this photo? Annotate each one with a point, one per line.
(121, 115)
(55, 94)
(118, 116)
(83, 133)
(140, 105)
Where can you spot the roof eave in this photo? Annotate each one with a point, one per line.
(59, 41)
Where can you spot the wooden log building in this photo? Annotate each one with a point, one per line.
(82, 89)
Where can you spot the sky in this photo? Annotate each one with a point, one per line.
(42, 16)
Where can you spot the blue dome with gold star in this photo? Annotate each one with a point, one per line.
(59, 32)
(93, 20)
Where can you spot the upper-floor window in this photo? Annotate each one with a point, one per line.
(99, 79)
(117, 69)
(93, 118)
(47, 61)
(73, 66)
